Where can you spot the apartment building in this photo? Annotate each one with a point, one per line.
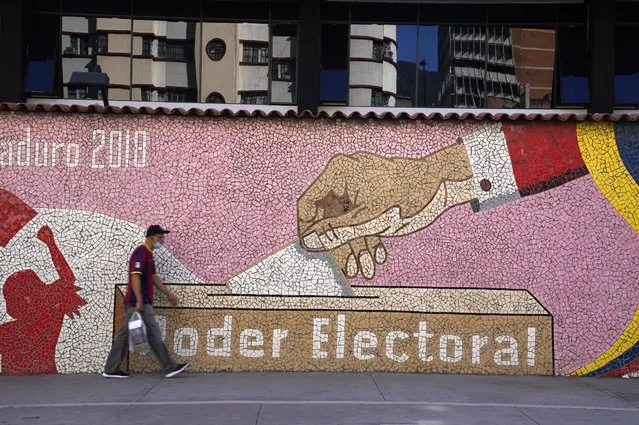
(496, 67)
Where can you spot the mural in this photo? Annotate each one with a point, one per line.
(317, 244)
(27, 344)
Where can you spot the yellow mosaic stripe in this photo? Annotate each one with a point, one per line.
(600, 154)
(599, 151)
(627, 340)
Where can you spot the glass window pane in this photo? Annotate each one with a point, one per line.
(41, 76)
(235, 63)
(382, 65)
(627, 66)
(252, 82)
(254, 52)
(494, 67)
(284, 64)
(533, 57)
(573, 66)
(254, 97)
(334, 59)
(406, 57)
(522, 60)
(91, 44)
(165, 60)
(460, 71)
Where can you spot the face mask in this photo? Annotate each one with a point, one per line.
(157, 245)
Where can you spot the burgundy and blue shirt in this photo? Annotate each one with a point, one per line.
(141, 263)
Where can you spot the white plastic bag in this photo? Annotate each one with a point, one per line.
(138, 339)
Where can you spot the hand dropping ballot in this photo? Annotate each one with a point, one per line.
(138, 339)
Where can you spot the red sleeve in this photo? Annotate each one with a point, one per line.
(543, 154)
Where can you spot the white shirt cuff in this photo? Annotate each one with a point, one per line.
(492, 168)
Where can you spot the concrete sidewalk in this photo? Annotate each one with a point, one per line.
(317, 398)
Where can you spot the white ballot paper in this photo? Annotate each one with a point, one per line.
(292, 271)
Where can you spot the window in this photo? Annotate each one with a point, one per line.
(161, 48)
(146, 46)
(167, 82)
(573, 66)
(147, 94)
(254, 98)
(83, 40)
(376, 97)
(335, 59)
(449, 66)
(406, 77)
(71, 43)
(176, 96)
(77, 92)
(102, 41)
(78, 45)
(378, 50)
(283, 70)
(255, 53)
(175, 50)
(388, 52)
(42, 57)
(170, 95)
(469, 44)
(153, 94)
(284, 52)
(626, 65)
(508, 52)
(216, 49)
(162, 96)
(491, 52)
(215, 98)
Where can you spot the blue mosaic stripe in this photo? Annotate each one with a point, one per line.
(627, 137)
(626, 358)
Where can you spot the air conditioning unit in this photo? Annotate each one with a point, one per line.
(69, 50)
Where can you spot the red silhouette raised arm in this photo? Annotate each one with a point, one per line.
(28, 343)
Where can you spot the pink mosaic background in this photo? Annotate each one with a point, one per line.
(227, 189)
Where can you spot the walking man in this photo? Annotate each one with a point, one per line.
(139, 297)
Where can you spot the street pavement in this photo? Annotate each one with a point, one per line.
(317, 398)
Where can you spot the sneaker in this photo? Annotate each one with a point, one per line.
(177, 369)
(118, 374)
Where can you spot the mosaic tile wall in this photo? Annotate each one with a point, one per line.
(335, 245)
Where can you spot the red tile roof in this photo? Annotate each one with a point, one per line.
(465, 115)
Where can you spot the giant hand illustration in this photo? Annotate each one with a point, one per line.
(362, 197)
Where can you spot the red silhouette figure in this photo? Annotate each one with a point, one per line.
(28, 343)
